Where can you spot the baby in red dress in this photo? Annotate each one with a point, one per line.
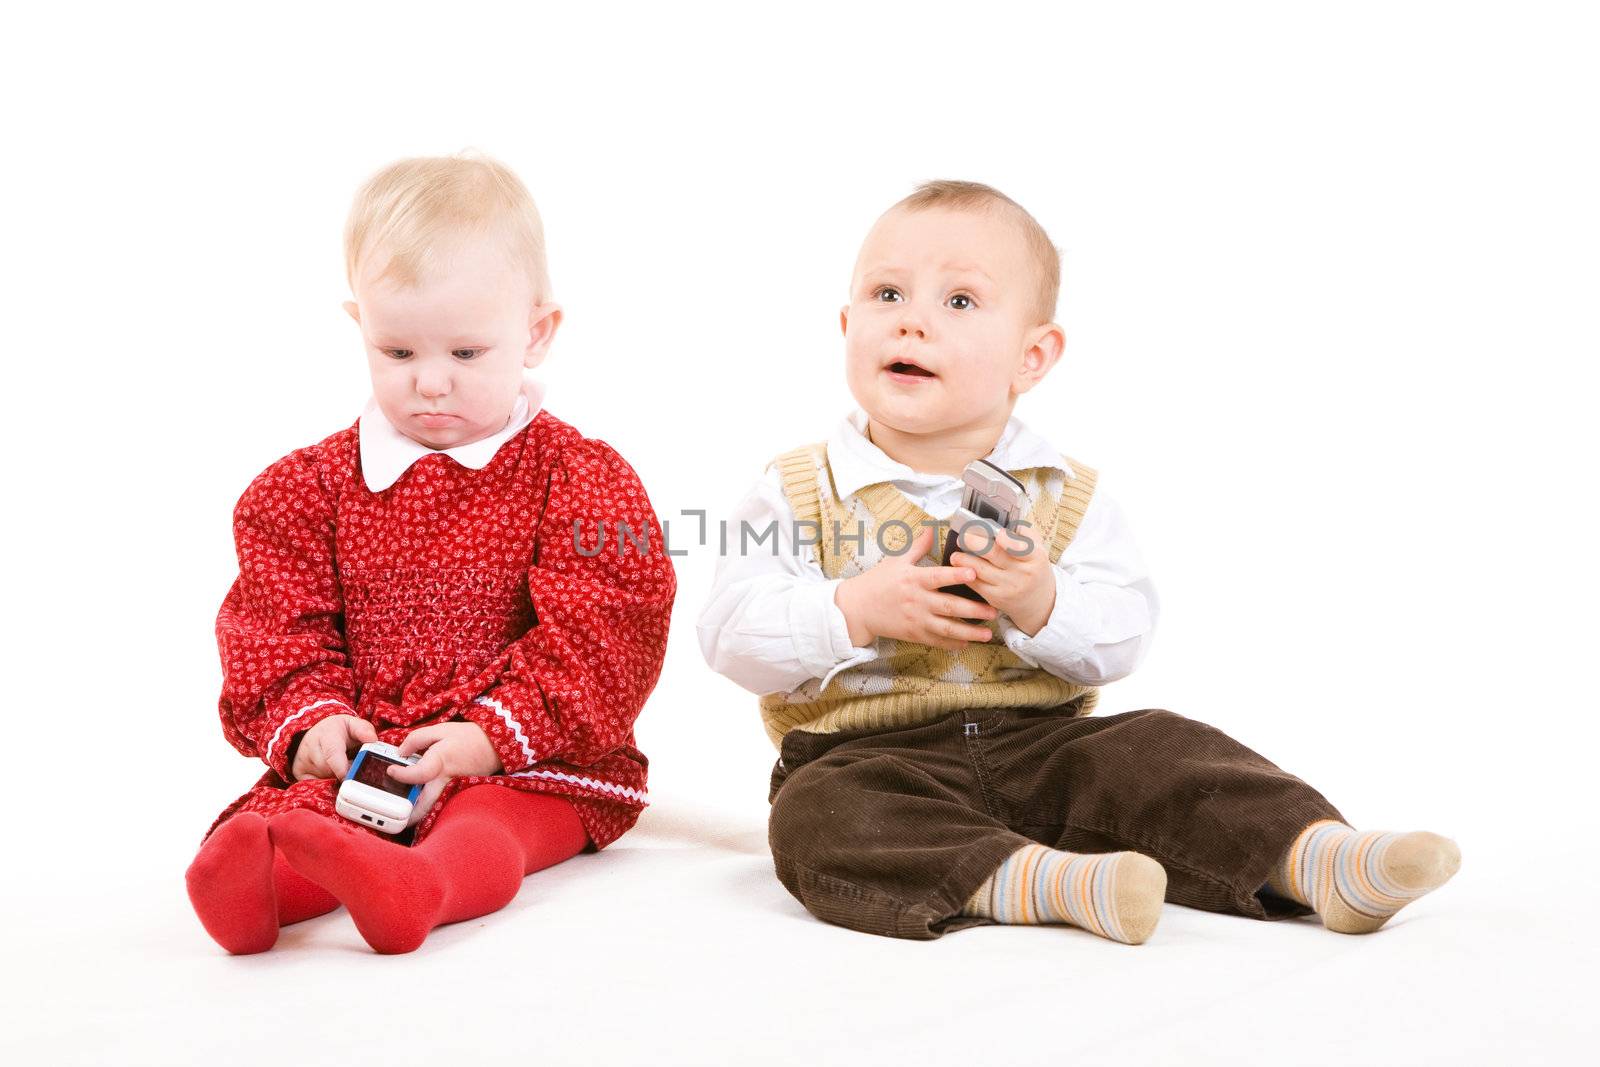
(458, 573)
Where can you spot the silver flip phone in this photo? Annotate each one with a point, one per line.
(992, 496)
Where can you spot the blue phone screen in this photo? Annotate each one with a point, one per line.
(372, 769)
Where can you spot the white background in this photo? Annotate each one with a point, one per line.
(1330, 305)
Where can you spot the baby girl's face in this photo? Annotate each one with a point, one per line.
(941, 313)
(447, 355)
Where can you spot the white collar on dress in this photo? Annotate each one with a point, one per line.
(386, 453)
(857, 462)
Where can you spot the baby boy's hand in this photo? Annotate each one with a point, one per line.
(1022, 586)
(453, 750)
(896, 598)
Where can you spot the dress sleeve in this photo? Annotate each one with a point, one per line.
(280, 631)
(570, 689)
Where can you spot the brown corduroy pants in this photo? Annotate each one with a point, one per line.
(891, 832)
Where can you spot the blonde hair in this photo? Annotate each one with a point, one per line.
(959, 196)
(413, 208)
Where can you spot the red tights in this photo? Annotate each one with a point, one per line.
(253, 876)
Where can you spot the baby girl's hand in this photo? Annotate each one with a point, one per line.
(453, 749)
(1021, 586)
(326, 748)
(896, 598)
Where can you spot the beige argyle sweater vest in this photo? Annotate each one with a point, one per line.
(910, 683)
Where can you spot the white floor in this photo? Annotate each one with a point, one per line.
(677, 945)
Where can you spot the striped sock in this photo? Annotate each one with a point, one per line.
(1356, 881)
(1117, 895)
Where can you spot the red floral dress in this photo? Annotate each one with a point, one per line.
(453, 594)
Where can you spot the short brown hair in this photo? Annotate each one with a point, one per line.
(412, 207)
(958, 195)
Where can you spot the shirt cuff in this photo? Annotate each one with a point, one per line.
(821, 634)
(1060, 641)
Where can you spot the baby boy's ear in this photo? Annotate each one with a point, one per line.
(354, 311)
(844, 319)
(1041, 352)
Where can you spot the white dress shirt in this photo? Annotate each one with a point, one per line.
(386, 453)
(771, 623)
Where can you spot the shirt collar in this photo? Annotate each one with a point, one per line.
(856, 462)
(386, 453)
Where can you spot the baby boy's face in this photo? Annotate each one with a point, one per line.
(941, 311)
(447, 355)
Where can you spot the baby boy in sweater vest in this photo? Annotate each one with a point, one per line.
(939, 767)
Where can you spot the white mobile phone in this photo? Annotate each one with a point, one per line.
(991, 498)
(368, 795)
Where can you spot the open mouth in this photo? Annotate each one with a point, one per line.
(911, 369)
